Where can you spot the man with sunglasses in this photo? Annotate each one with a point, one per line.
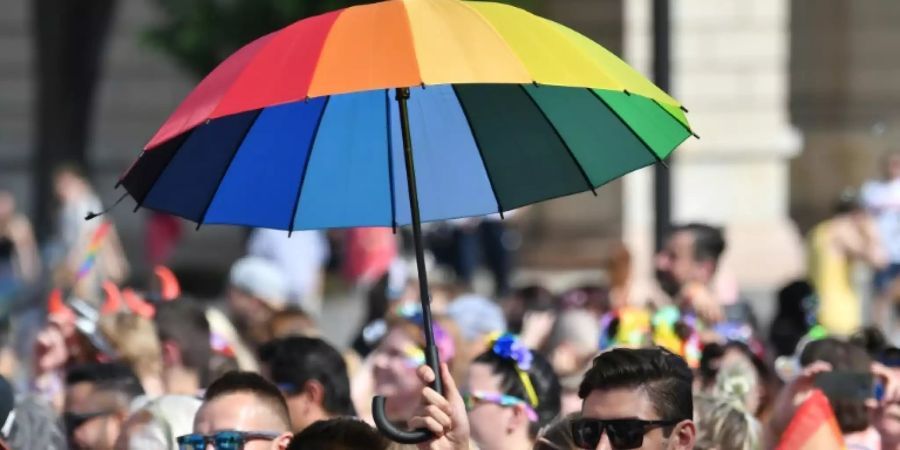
(240, 411)
(636, 399)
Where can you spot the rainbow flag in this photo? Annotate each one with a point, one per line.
(813, 427)
(92, 250)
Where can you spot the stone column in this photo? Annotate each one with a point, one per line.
(730, 69)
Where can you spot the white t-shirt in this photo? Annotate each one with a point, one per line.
(882, 199)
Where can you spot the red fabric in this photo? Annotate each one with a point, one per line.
(276, 68)
(813, 427)
(370, 252)
(162, 234)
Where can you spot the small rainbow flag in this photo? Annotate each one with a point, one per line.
(92, 250)
(813, 427)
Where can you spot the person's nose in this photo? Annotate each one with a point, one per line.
(662, 261)
(604, 443)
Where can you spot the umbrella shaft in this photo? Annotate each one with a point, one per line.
(431, 354)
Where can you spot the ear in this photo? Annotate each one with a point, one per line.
(518, 418)
(171, 354)
(282, 441)
(683, 436)
(315, 391)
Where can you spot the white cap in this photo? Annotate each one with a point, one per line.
(260, 278)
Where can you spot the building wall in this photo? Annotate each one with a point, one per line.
(845, 67)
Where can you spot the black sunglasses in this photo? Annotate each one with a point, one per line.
(623, 434)
(75, 420)
(222, 440)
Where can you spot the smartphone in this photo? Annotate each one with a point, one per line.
(846, 385)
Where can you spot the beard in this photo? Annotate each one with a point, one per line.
(668, 283)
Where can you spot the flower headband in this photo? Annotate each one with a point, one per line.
(508, 346)
(442, 339)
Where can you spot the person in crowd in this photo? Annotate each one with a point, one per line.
(293, 322)
(241, 409)
(184, 335)
(572, 345)
(724, 414)
(525, 301)
(28, 424)
(686, 266)
(99, 397)
(339, 434)
(19, 261)
(849, 400)
(717, 356)
(637, 399)
(390, 370)
(76, 237)
(850, 236)
(792, 321)
(487, 237)
(477, 319)
(257, 290)
(158, 423)
(312, 376)
(633, 399)
(881, 199)
(135, 341)
(557, 435)
(511, 393)
(300, 258)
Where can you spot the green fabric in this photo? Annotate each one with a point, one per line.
(604, 147)
(649, 122)
(677, 113)
(526, 160)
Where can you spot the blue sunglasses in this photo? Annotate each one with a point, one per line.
(222, 440)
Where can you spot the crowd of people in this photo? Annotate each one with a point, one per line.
(678, 363)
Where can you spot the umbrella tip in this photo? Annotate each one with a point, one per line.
(626, 92)
(695, 135)
(684, 109)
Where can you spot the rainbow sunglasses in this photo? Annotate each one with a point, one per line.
(473, 398)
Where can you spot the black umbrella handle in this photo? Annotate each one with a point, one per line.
(431, 352)
(408, 436)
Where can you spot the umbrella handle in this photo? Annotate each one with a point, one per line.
(387, 428)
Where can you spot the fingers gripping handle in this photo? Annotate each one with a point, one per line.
(408, 436)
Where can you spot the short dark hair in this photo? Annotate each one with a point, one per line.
(295, 360)
(183, 321)
(114, 377)
(339, 434)
(235, 382)
(662, 374)
(852, 414)
(709, 241)
(543, 379)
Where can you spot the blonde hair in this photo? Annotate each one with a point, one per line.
(722, 418)
(135, 341)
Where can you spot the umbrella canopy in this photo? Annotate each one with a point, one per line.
(299, 130)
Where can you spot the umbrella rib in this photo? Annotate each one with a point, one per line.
(312, 145)
(390, 154)
(565, 144)
(228, 166)
(630, 128)
(480, 151)
(686, 128)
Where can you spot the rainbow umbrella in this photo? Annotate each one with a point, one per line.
(399, 112)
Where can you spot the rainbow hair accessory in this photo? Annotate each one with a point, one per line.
(508, 346)
(93, 249)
